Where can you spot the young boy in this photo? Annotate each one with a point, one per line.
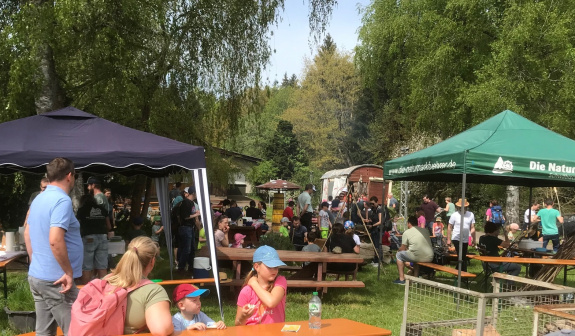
(187, 299)
(325, 223)
(157, 229)
(284, 228)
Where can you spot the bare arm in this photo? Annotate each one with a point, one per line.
(356, 249)
(449, 229)
(270, 300)
(560, 219)
(473, 233)
(159, 319)
(60, 252)
(108, 224)
(27, 239)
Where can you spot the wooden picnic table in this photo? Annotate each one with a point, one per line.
(4, 261)
(303, 277)
(538, 261)
(329, 327)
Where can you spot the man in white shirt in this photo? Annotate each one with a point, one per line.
(534, 218)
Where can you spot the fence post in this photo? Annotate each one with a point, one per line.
(405, 302)
(495, 303)
(480, 316)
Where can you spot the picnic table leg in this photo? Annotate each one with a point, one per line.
(416, 270)
(5, 279)
(320, 277)
(565, 276)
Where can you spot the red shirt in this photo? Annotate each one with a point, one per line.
(288, 212)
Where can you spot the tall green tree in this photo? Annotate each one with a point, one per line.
(323, 107)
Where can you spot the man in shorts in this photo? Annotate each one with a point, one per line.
(415, 247)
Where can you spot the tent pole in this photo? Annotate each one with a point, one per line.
(528, 223)
(460, 254)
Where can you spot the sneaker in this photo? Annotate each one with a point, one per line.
(373, 264)
(399, 282)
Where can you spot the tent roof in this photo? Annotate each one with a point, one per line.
(93, 144)
(346, 171)
(505, 149)
(279, 185)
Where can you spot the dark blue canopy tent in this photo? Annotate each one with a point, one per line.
(97, 145)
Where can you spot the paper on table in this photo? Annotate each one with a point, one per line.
(291, 327)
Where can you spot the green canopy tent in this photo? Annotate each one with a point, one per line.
(505, 149)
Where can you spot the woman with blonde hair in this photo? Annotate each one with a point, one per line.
(148, 307)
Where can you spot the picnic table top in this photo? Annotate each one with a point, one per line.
(558, 262)
(229, 253)
(329, 327)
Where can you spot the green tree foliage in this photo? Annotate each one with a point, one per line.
(322, 112)
(284, 151)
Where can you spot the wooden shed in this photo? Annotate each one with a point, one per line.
(363, 179)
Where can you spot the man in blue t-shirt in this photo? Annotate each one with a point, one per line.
(55, 248)
(549, 218)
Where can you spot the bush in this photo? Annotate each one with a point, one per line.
(277, 241)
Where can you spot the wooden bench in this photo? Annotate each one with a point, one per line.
(441, 268)
(177, 282)
(307, 284)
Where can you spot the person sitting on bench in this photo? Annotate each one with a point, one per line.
(489, 245)
(415, 247)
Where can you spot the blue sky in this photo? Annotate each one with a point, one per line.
(291, 39)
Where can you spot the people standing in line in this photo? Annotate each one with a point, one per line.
(454, 234)
(415, 247)
(54, 245)
(94, 231)
(304, 207)
(549, 217)
(527, 220)
(43, 184)
(298, 234)
(189, 214)
(234, 212)
(288, 211)
(430, 209)
(449, 207)
(253, 212)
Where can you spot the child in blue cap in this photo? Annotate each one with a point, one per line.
(262, 300)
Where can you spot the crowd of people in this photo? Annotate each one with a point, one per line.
(65, 247)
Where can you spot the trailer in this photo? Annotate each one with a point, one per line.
(363, 179)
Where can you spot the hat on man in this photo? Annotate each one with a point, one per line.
(188, 290)
(267, 255)
(459, 203)
(93, 180)
(190, 190)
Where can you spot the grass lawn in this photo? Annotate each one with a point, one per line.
(380, 303)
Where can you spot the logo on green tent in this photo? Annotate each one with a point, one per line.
(502, 166)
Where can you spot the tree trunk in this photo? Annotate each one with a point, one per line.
(512, 213)
(137, 194)
(51, 95)
(77, 192)
(146, 204)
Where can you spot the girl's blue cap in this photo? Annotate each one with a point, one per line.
(267, 255)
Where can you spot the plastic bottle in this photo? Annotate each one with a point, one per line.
(315, 312)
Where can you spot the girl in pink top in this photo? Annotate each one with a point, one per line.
(262, 300)
(421, 219)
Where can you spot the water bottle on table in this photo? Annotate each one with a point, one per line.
(315, 312)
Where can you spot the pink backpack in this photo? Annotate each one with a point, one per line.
(100, 309)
